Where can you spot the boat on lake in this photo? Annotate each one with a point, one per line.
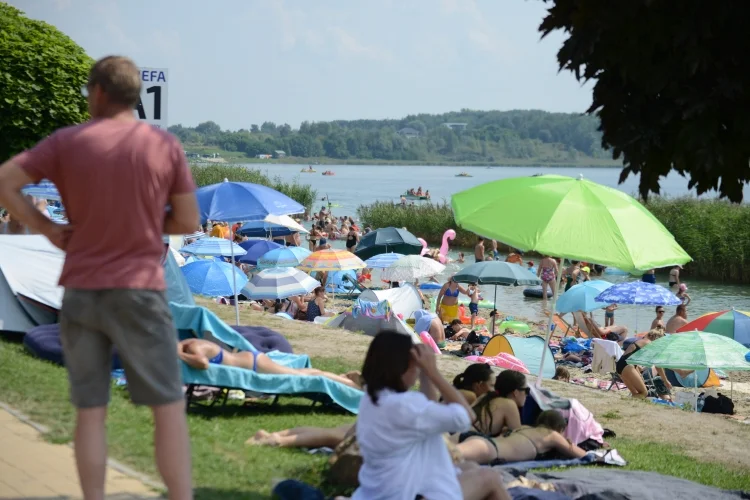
(308, 170)
(464, 174)
(414, 197)
(329, 172)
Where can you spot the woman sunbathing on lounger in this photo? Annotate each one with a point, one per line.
(614, 332)
(631, 376)
(524, 443)
(199, 354)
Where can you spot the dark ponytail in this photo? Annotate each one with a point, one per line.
(476, 373)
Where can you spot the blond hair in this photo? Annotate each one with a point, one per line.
(654, 334)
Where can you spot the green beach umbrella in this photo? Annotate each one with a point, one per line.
(693, 351)
(571, 218)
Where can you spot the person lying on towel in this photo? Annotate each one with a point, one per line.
(524, 443)
(199, 354)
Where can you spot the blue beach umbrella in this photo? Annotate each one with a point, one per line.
(280, 283)
(258, 250)
(283, 257)
(638, 293)
(582, 297)
(214, 246)
(243, 201)
(383, 260)
(44, 190)
(212, 278)
(262, 229)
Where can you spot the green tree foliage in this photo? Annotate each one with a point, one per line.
(41, 76)
(489, 136)
(671, 85)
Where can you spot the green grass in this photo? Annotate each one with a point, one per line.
(223, 465)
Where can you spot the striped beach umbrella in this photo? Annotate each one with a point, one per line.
(45, 190)
(213, 246)
(383, 261)
(411, 268)
(331, 260)
(280, 283)
(732, 323)
(283, 257)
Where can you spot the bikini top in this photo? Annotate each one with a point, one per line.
(449, 292)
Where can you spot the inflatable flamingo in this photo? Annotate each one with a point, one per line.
(424, 246)
(450, 234)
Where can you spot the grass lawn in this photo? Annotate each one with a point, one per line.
(223, 465)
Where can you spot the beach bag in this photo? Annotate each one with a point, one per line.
(344, 464)
(719, 404)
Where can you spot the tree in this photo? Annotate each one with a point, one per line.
(285, 130)
(41, 77)
(208, 128)
(672, 91)
(254, 129)
(268, 128)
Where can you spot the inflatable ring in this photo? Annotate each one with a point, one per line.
(466, 320)
(533, 293)
(516, 326)
(429, 341)
(483, 304)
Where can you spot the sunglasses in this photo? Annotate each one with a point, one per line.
(526, 390)
(660, 312)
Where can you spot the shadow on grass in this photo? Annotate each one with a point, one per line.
(230, 411)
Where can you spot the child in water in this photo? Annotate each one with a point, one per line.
(461, 258)
(609, 315)
(473, 292)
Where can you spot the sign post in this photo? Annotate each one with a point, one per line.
(152, 106)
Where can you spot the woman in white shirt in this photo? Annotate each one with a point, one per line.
(400, 431)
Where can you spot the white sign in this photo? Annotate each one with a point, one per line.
(152, 106)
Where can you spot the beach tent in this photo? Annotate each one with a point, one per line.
(342, 282)
(706, 378)
(404, 300)
(527, 349)
(371, 326)
(30, 267)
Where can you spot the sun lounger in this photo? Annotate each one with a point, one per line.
(192, 321)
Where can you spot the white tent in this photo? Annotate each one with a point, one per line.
(371, 326)
(30, 267)
(404, 300)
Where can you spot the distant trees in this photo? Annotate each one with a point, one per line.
(488, 136)
(41, 77)
(672, 90)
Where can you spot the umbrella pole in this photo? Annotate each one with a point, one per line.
(234, 287)
(494, 308)
(548, 334)
(695, 390)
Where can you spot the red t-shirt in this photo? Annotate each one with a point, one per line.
(115, 178)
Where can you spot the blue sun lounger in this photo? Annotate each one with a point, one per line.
(195, 321)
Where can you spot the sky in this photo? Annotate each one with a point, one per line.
(243, 62)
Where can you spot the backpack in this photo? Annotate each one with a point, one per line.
(719, 404)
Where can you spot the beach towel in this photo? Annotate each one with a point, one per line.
(374, 310)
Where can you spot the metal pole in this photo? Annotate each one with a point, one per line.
(234, 285)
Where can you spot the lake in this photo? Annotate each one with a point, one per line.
(354, 185)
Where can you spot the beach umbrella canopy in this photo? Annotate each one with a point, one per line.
(571, 218)
(582, 297)
(693, 351)
(243, 201)
(331, 259)
(257, 250)
(283, 257)
(44, 190)
(213, 246)
(411, 268)
(638, 293)
(496, 273)
(273, 225)
(212, 278)
(388, 239)
(732, 323)
(383, 260)
(280, 283)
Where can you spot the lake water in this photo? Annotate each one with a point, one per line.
(360, 184)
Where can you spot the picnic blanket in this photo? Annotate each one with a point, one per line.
(607, 484)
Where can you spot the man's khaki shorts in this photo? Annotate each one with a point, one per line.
(139, 324)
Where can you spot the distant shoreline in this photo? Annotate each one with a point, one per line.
(587, 163)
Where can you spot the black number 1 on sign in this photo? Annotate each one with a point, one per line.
(156, 90)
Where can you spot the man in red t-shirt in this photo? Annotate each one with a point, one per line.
(116, 176)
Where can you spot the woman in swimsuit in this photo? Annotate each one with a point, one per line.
(630, 375)
(447, 301)
(674, 276)
(317, 306)
(548, 272)
(524, 443)
(499, 410)
(313, 237)
(615, 333)
(200, 354)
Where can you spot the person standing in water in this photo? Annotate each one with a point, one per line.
(674, 276)
(114, 286)
(473, 292)
(548, 271)
(479, 250)
(495, 253)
